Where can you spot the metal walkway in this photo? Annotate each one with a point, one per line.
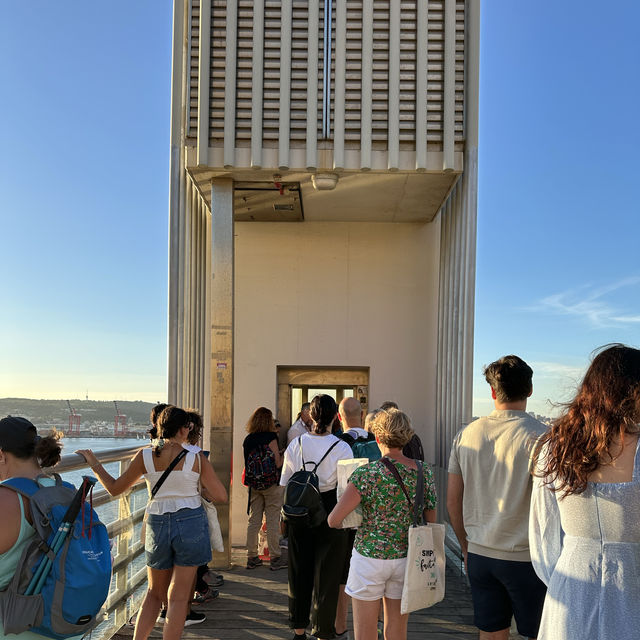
(253, 605)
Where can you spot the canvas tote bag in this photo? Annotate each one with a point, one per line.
(215, 532)
(424, 576)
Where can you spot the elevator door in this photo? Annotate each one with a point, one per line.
(306, 393)
(297, 385)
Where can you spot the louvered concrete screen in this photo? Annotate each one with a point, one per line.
(396, 81)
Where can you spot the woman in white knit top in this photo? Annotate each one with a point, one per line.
(177, 537)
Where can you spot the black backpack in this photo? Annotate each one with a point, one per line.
(303, 506)
(413, 449)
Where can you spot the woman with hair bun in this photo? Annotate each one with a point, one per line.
(177, 533)
(316, 554)
(584, 527)
(379, 556)
(23, 454)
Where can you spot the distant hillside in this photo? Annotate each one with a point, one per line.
(52, 412)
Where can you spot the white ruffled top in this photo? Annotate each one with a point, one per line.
(178, 491)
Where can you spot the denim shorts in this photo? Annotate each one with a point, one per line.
(179, 538)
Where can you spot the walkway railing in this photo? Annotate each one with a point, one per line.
(123, 517)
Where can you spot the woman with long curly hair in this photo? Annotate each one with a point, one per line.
(584, 528)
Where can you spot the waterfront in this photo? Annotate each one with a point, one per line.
(70, 445)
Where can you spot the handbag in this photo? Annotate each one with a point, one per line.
(424, 575)
(215, 533)
(155, 489)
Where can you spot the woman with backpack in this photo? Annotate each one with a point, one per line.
(379, 555)
(23, 453)
(177, 530)
(262, 463)
(316, 552)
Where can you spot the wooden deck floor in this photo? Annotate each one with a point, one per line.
(253, 606)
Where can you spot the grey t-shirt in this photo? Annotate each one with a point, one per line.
(493, 455)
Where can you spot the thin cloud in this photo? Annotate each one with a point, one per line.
(590, 304)
(555, 370)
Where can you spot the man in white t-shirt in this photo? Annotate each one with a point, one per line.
(302, 424)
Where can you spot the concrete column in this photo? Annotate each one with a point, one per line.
(176, 199)
(218, 438)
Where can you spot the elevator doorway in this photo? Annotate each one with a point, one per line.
(306, 393)
(297, 385)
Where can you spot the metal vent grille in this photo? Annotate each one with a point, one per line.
(244, 72)
(380, 79)
(353, 72)
(356, 50)
(194, 61)
(218, 45)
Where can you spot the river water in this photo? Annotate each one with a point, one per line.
(109, 511)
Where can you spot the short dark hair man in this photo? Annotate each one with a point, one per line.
(488, 497)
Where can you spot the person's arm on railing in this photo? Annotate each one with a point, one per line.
(455, 493)
(114, 486)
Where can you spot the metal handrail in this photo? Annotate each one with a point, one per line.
(74, 461)
(125, 592)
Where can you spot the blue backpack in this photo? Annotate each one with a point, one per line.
(362, 446)
(63, 575)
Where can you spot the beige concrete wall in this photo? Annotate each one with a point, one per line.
(335, 294)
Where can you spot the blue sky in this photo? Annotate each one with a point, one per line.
(557, 263)
(84, 123)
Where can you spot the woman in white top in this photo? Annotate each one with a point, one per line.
(316, 554)
(177, 537)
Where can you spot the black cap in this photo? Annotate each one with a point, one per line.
(15, 433)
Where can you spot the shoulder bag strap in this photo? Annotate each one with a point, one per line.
(167, 471)
(415, 507)
(328, 451)
(347, 437)
(419, 503)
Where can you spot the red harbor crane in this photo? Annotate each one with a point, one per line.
(119, 423)
(74, 421)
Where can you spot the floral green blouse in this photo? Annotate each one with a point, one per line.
(385, 511)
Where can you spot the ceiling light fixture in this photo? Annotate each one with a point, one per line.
(324, 181)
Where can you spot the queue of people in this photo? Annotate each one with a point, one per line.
(328, 565)
(548, 519)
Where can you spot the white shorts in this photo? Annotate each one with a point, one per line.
(372, 578)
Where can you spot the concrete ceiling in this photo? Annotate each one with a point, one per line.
(358, 197)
